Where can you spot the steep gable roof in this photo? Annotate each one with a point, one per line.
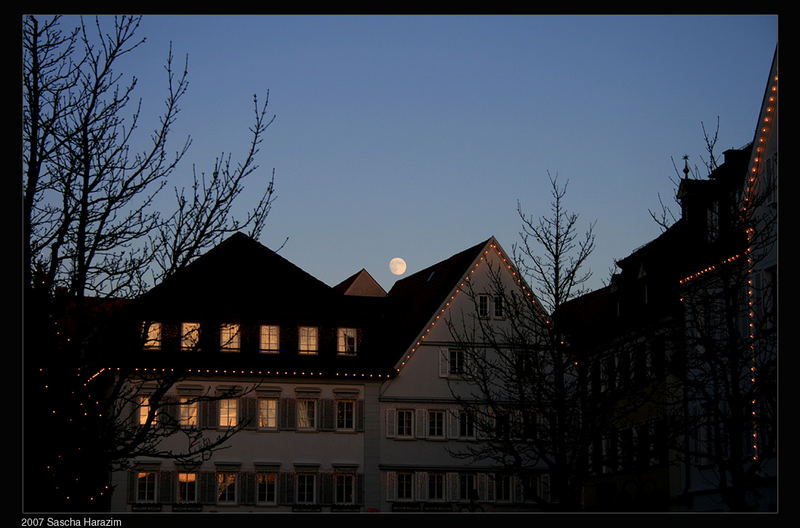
(239, 274)
(361, 284)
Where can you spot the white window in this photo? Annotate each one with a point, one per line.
(226, 487)
(498, 306)
(190, 336)
(228, 412)
(405, 486)
(229, 340)
(346, 341)
(436, 424)
(188, 412)
(187, 487)
(306, 414)
(305, 488)
(483, 305)
(309, 342)
(404, 420)
(152, 335)
(456, 362)
(266, 487)
(270, 339)
(344, 484)
(146, 486)
(345, 411)
(267, 413)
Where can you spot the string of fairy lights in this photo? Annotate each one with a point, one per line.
(763, 136)
(493, 245)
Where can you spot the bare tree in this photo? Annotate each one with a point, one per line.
(525, 384)
(93, 236)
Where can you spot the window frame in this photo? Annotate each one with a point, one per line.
(404, 486)
(234, 475)
(308, 344)
(269, 342)
(190, 336)
(188, 412)
(466, 424)
(348, 416)
(230, 342)
(483, 305)
(342, 341)
(183, 490)
(405, 427)
(437, 491)
(152, 335)
(348, 478)
(231, 408)
(267, 414)
(301, 488)
(437, 424)
(144, 410)
(303, 418)
(150, 489)
(269, 481)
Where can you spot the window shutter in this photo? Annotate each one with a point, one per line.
(325, 495)
(248, 412)
(391, 423)
(421, 492)
(420, 427)
(359, 492)
(288, 413)
(452, 423)
(286, 489)
(483, 486)
(248, 487)
(328, 415)
(391, 485)
(131, 486)
(208, 413)
(444, 362)
(452, 486)
(166, 487)
(359, 415)
(208, 488)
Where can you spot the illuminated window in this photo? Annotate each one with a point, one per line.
(436, 424)
(226, 487)
(344, 484)
(306, 414)
(344, 415)
(190, 336)
(270, 339)
(187, 487)
(144, 410)
(305, 488)
(267, 413)
(308, 340)
(229, 337)
(188, 412)
(146, 486)
(266, 487)
(346, 341)
(436, 486)
(404, 421)
(152, 335)
(228, 412)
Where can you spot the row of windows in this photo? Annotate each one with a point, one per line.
(643, 445)
(269, 338)
(268, 488)
(430, 423)
(262, 413)
(441, 486)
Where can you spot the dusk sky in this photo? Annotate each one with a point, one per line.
(415, 136)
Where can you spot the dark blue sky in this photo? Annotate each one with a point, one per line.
(414, 136)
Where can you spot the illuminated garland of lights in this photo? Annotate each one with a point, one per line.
(495, 246)
(760, 146)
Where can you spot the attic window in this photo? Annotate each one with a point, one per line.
(152, 335)
(309, 342)
(346, 341)
(190, 336)
(229, 340)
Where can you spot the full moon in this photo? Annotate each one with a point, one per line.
(397, 266)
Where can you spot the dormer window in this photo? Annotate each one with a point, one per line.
(229, 338)
(346, 341)
(190, 336)
(151, 332)
(270, 339)
(309, 340)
